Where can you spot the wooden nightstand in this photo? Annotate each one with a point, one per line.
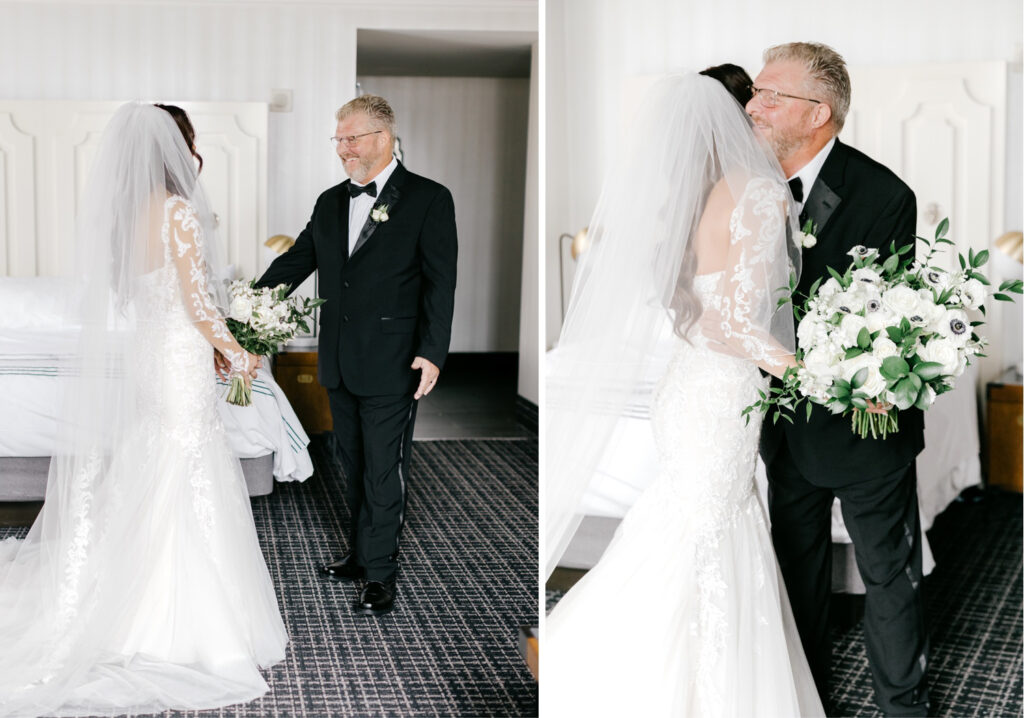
(1005, 435)
(295, 371)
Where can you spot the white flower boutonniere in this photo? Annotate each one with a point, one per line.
(379, 213)
(807, 237)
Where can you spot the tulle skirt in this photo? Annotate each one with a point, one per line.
(160, 597)
(685, 614)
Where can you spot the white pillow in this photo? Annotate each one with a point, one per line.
(36, 304)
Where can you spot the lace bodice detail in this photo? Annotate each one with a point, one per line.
(179, 326)
(707, 458)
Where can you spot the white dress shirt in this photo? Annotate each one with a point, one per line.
(359, 207)
(808, 174)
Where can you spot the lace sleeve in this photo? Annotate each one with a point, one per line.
(746, 320)
(185, 245)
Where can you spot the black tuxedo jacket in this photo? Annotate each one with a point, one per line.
(854, 200)
(393, 298)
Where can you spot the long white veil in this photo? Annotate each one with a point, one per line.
(634, 285)
(56, 596)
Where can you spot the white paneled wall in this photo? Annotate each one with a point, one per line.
(240, 51)
(469, 134)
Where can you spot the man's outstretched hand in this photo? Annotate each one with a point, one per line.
(428, 378)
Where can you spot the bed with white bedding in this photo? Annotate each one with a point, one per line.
(34, 345)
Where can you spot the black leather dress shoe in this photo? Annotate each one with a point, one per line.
(343, 569)
(376, 599)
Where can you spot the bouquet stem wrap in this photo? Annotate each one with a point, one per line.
(877, 425)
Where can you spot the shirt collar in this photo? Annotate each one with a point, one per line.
(808, 174)
(382, 178)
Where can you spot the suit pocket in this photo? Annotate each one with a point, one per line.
(398, 325)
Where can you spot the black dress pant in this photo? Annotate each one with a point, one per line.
(882, 518)
(374, 438)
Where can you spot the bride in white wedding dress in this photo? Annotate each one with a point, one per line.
(141, 586)
(686, 612)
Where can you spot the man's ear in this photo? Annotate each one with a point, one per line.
(821, 116)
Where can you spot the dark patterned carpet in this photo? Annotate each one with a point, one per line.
(974, 601)
(468, 581)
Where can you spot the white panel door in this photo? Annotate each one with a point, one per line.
(942, 129)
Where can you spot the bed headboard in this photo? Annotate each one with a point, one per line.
(45, 151)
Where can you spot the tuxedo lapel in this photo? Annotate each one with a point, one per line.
(821, 204)
(824, 198)
(343, 221)
(390, 196)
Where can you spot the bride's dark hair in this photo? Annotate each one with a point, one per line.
(735, 79)
(184, 124)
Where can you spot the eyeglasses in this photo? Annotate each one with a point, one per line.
(770, 98)
(352, 139)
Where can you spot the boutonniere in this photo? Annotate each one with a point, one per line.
(379, 213)
(808, 236)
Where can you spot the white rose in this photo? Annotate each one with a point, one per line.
(821, 363)
(806, 240)
(807, 329)
(884, 347)
(240, 309)
(875, 382)
(901, 301)
(850, 327)
(953, 325)
(972, 294)
(944, 352)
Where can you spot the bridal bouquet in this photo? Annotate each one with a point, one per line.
(884, 337)
(262, 320)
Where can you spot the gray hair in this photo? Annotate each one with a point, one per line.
(826, 67)
(382, 117)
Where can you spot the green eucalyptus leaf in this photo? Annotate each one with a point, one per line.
(928, 370)
(859, 378)
(894, 367)
(864, 339)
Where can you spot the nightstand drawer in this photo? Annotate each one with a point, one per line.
(1005, 436)
(296, 373)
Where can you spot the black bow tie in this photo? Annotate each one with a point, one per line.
(355, 190)
(796, 186)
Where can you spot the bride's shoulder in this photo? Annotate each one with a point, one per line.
(178, 209)
(180, 214)
(765, 187)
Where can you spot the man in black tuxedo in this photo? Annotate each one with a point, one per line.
(384, 243)
(800, 102)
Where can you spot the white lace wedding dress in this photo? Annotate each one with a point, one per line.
(163, 598)
(686, 613)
